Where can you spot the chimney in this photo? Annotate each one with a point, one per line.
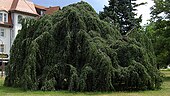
(14, 4)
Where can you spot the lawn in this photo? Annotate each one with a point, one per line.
(165, 91)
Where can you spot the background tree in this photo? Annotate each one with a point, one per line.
(161, 10)
(160, 30)
(122, 14)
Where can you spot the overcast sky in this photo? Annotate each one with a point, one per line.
(145, 10)
(98, 5)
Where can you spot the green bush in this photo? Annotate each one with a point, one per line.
(74, 50)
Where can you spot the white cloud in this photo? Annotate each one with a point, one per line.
(145, 10)
(98, 5)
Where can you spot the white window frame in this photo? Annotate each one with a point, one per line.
(4, 16)
(1, 17)
(20, 17)
(42, 13)
(2, 32)
(2, 48)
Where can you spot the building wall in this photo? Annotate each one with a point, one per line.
(9, 12)
(16, 25)
(6, 40)
(11, 33)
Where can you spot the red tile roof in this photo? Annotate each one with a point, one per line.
(5, 4)
(51, 10)
(18, 5)
(47, 10)
(24, 7)
(40, 7)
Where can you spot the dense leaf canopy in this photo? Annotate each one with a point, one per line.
(159, 28)
(74, 50)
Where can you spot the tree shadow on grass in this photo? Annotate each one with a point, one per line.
(167, 79)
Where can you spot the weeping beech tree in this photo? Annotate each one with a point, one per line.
(74, 50)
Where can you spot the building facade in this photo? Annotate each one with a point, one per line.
(11, 14)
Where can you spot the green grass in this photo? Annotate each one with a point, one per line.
(165, 91)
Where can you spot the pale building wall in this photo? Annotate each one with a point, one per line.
(6, 40)
(16, 25)
(11, 33)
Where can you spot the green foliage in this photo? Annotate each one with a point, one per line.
(161, 9)
(122, 14)
(159, 29)
(74, 50)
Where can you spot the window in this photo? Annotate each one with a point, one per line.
(1, 15)
(19, 19)
(2, 32)
(42, 13)
(5, 17)
(19, 31)
(1, 47)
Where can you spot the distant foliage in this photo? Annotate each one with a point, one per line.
(159, 28)
(74, 50)
(160, 10)
(160, 31)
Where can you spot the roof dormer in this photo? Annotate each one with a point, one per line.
(3, 16)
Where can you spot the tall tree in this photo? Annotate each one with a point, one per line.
(160, 30)
(122, 14)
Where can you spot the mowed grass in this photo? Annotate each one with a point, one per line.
(165, 91)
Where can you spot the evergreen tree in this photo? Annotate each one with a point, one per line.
(75, 50)
(122, 14)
